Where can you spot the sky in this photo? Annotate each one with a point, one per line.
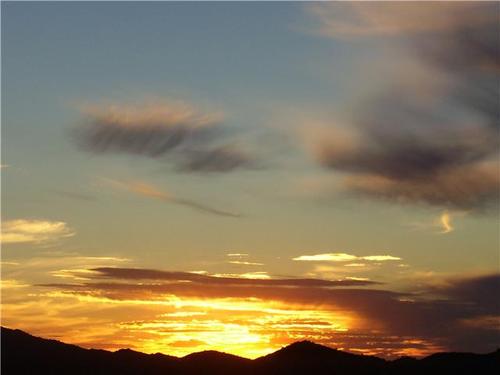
(179, 177)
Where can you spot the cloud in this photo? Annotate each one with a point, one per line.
(410, 144)
(34, 231)
(9, 284)
(330, 257)
(343, 257)
(197, 278)
(149, 129)
(474, 186)
(240, 262)
(151, 191)
(445, 221)
(480, 290)
(440, 316)
(48, 265)
(220, 159)
(380, 258)
(259, 275)
(174, 130)
(354, 20)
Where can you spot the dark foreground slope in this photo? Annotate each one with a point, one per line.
(25, 354)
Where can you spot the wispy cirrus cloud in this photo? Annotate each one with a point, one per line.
(435, 145)
(34, 231)
(151, 191)
(171, 130)
(445, 222)
(343, 257)
(149, 129)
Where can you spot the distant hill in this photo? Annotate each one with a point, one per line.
(22, 354)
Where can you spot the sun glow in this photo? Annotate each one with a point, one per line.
(249, 327)
(246, 327)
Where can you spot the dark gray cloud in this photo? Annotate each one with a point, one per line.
(471, 53)
(148, 274)
(153, 141)
(439, 146)
(462, 315)
(219, 159)
(480, 291)
(172, 131)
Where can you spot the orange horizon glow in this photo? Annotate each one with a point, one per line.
(178, 326)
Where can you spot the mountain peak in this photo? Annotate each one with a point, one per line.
(306, 345)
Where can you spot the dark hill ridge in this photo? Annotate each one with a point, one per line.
(307, 357)
(25, 354)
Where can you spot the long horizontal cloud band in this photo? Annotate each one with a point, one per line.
(343, 257)
(445, 318)
(157, 275)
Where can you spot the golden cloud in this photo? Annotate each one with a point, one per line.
(34, 231)
(343, 257)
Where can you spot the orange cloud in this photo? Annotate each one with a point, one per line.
(153, 310)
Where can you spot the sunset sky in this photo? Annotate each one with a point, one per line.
(178, 177)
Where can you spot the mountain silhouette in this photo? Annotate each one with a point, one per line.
(23, 354)
(306, 357)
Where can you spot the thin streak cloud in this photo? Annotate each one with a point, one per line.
(343, 257)
(151, 191)
(245, 263)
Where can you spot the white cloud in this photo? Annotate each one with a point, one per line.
(380, 258)
(246, 263)
(343, 257)
(329, 257)
(34, 231)
(247, 275)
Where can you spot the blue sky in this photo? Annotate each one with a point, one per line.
(320, 107)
